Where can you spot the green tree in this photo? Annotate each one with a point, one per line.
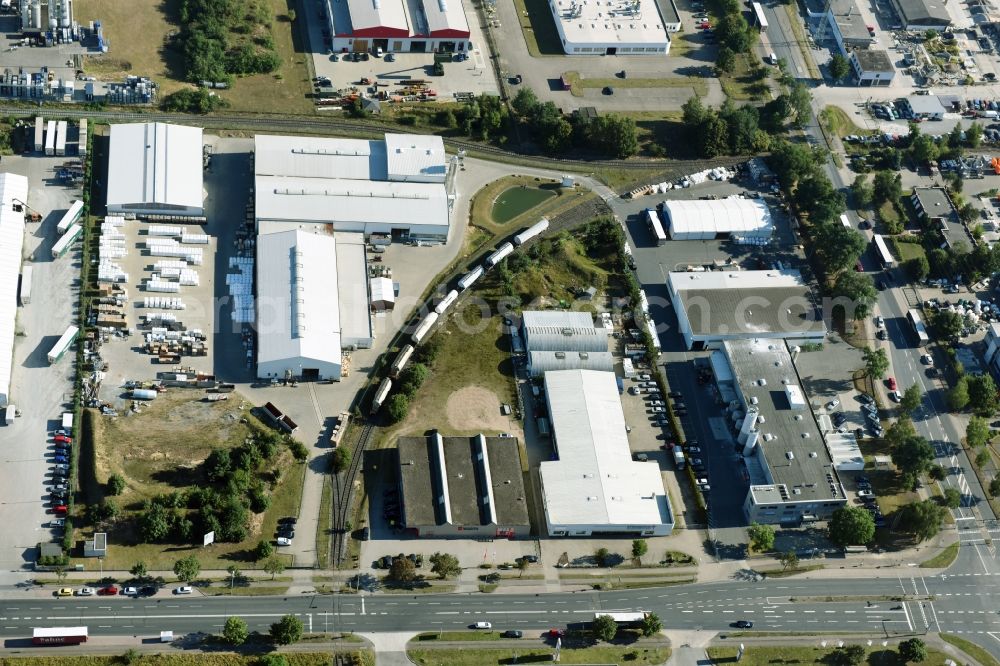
(725, 61)
(840, 69)
(138, 570)
(761, 537)
(922, 519)
(952, 498)
(525, 102)
(792, 162)
(604, 628)
(340, 459)
(876, 362)
(789, 560)
(850, 655)
(974, 135)
(886, 186)
(412, 378)
(263, 550)
(291, 15)
(851, 526)
(399, 406)
(995, 486)
(917, 268)
(235, 630)
(445, 565)
(911, 399)
(801, 101)
(977, 433)
(187, 568)
(602, 556)
(982, 395)
(522, 566)
(923, 149)
(614, 135)
(651, 625)
(838, 247)
(273, 659)
(913, 651)
(936, 473)
(857, 288)
(287, 630)
(154, 524)
(982, 458)
(274, 566)
(116, 484)
(912, 457)
(402, 570)
(958, 395)
(861, 191)
(639, 548)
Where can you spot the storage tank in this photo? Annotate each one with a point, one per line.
(143, 394)
(446, 302)
(36, 15)
(424, 327)
(531, 232)
(499, 255)
(470, 277)
(66, 19)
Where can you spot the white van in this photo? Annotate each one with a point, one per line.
(773, 58)
(483, 625)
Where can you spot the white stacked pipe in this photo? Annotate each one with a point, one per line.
(161, 316)
(160, 266)
(112, 252)
(164, 230)
(189, 278)
(165, 302)
(170, 273)
(194, 239)
(162, 286)
(114, 221)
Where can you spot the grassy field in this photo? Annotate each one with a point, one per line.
(942, 559)
(557, 277)
(837, 121)
(768, 656)
(483, 202)
(527, 655)
(155, 20)
(159, 451)
(168, 659)
(972, 649)
(578, 83)
(907, 251)
(745, 81)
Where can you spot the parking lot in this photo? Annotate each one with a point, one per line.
(40, 391)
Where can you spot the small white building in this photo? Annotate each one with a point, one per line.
(594, 487)
(383, 295)
(155, 169)
(708, 219)
(872, 67)
(636, 27)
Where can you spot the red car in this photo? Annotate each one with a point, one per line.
(892, 383)
(109, 591)
(705, 26)
(59, 509)
(62, 439)
(557, 633)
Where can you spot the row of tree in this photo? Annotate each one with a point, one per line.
(742, 130)
(610, 134)
(223, 38)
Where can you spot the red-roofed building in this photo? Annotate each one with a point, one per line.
(398, 26)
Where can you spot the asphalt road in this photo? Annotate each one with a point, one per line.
(950, 603)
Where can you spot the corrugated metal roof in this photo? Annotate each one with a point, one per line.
(319, 157)
(562, 331)
(595, 481)
(445, 15)
(334, 200)
(381, 290)
(418, 158)
(155, 164)
(703, 219)
(540, 362)
(12, 186)
(368, 14)
(352, 288)
(298, 311)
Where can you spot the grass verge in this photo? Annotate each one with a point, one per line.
(836, 120)
(538, 28)
(800, 38)
(785, 573)
(942, 559)
(578, 83)
(972, 649)
(748, 81)
(768, 656)
(591, 655)
(324, 524)
(198, 659)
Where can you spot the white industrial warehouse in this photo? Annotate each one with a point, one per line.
(715, 306)
(12, 188)
(708, 219)
(595, 487)
(619, 27)
(397, 186)
(562, 331)
(155, 169)
(312, 303)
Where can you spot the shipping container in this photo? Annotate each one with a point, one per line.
(380, 395)
(39, 134)
(531, 232)
(424, 327)
(50, 138)
(446, 302)
(66, 240)
(70, 217)
(501, 252)
(143, 394)
(470, 278)
(82, 146)
(61, 128)
(59, 635)
(64, 343)
(25, 292)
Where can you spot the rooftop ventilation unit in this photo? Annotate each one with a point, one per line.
(789, 455)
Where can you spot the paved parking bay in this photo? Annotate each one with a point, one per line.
(40, 391)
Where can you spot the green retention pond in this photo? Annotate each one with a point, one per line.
(516, 200)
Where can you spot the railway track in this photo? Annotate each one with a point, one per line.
(343, 486)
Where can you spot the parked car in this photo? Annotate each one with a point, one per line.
(284, 541)
(85, 592)
(57, 522)
(183, 589)
(513, 633)
(64, 592)
(891, 383)
(62, 439)
(865, 493)
(289, 520)
(927, 359)
(529, 558)
(107, 591)
(130, 592)
(833, 404)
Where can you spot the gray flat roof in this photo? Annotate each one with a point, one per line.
(873, 60)
(934, 201)
(923, 11)
(470, 482)
(789, 439)
(668, 11)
